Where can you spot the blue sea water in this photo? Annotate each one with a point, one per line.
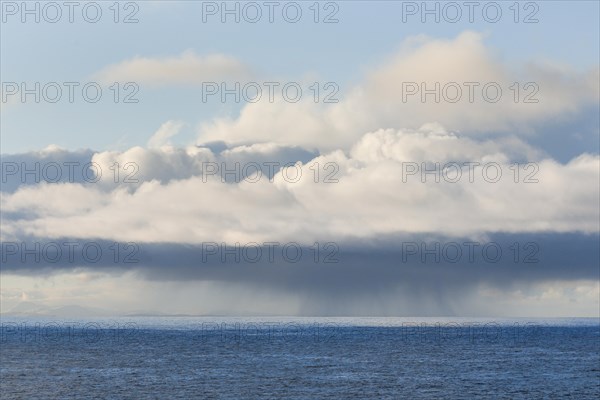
(299, 358)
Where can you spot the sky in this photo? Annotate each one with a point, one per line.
(380, 158)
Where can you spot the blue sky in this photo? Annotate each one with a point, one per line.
(366, 35)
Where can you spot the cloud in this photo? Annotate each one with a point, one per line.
(369, 213)
(335, 196)
(128, 169)
(358, 173)
(369, 279)
(382, 101)
(164, 133)
(187, 68)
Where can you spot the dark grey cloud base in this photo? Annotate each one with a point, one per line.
(353, 265)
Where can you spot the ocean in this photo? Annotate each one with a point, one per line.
(299, 358)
